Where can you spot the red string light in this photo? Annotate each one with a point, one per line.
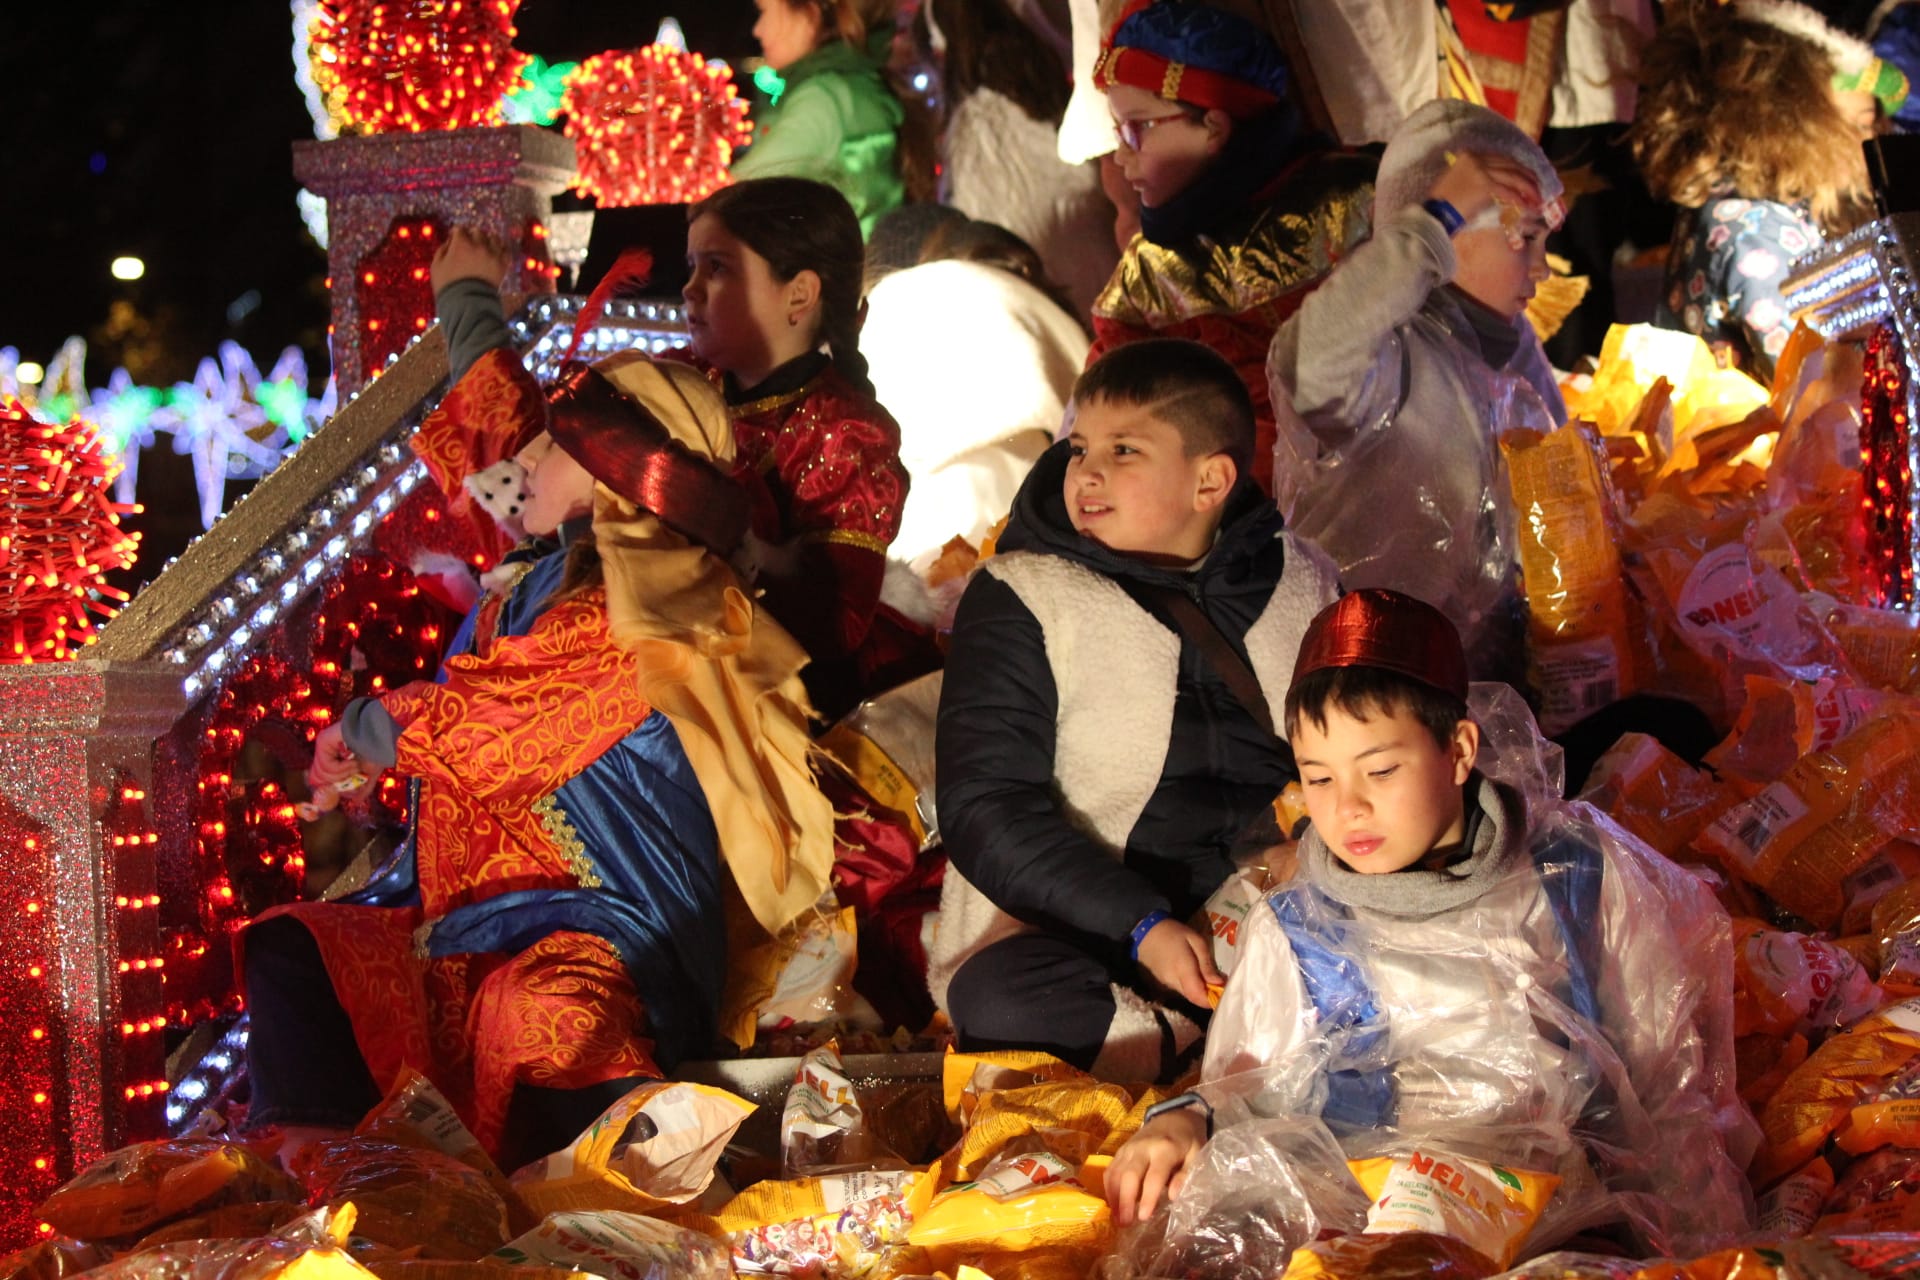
(392, 288)
(656, 125)
(60, 536)
(1885, 460)
(416, 65)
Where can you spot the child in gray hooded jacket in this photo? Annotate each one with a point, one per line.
(1395, 378)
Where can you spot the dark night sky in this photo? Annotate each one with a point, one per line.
(161, 129)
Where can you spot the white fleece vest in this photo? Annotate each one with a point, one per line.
(1116, 672)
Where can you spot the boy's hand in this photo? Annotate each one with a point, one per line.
(1152, 1163)
(333, 761)
(1477, 180)
(1180, 960)
(468, 254)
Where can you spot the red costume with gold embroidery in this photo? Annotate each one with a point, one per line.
(829, 456)
(556, 913)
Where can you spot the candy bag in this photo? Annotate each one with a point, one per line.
(147, 1183)
(1785, 719)
(1018, 1202)
(1655, 794)
(656, 1146)
(1800, 838)
(1888, 872)
(1399, 1255)
(1789, 982)
(844, 1224)
(1746, 1262)
(1069, 1119)
(966, 1078)
(407, 1196)
(1224, 917)
(1570, 563)
(619, 1246)
(312, 1247)
(1489, 1207)
(1817, 1097)
(416, 1114)
(227, 1222)
(55, 1258)
(823, 1128)
(1882, 645)
(802, 978)
(1879, 1192)
(1792, 1207)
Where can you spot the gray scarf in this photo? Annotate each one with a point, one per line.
(1495, 840)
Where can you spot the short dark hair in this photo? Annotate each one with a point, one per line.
(1362, 692)
(1188, 386)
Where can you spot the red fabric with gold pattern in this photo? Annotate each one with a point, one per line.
(1179, 82)
(513, 721)
(508, 727)
(487, 417)
(562, 1014)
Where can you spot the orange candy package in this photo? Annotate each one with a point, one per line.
(143, 1185)
(1865, 1063)
(408, 1196)
(1655, 794)
(1801, 837)
(1788, 983)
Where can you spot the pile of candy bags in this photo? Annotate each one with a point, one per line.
(1690, 534)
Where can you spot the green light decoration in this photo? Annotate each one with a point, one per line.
(536, 99)
(286, 406)
(769, 82)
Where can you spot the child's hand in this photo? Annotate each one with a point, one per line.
(333, 761)
(469, 254)
(1180, 960)
(1154, 1162)
(1477, 180)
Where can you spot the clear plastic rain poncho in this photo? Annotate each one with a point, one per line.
(1581, 1029)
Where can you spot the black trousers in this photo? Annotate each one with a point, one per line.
(1047, 992)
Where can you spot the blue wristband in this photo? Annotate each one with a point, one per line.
(1449, 217)
(1181, 1103)
(1141, 930)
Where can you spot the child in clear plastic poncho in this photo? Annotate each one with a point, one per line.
(1468, 963)
(1395, 379)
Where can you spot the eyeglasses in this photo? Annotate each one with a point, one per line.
(1133, 133)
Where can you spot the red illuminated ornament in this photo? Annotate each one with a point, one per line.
(393, 287)
(1886, 459)
(416, 65)
(656, 125)
(60, 535)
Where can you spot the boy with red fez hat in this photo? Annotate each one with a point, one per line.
(1469, 965)
(1242, 207)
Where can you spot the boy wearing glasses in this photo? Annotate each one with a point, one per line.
(1242, 210)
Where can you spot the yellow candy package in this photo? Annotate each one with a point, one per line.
(143, 1185)
(1018, 1202)
(312, 1247)
(841, 1225)
(1801, 837)
(1570, 564)
(1883, 646)
(965, 1078)
(1817, 1097)
(1747, 1262)
(802, 977)
(1070, 1119)
(656, 1146)
(1489, 1207)
(1402, 1255)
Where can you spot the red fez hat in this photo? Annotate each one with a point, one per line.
(1374, 627)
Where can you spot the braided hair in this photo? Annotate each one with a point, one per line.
(799, 225)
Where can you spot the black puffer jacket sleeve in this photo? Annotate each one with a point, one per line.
(1000, 818)
(475, 323)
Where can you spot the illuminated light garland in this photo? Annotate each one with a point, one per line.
(60, 536)
(655, 125)
(393, 284)
(416, 65)
(1886, 461)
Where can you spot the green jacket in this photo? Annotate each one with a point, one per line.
(838, 123)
